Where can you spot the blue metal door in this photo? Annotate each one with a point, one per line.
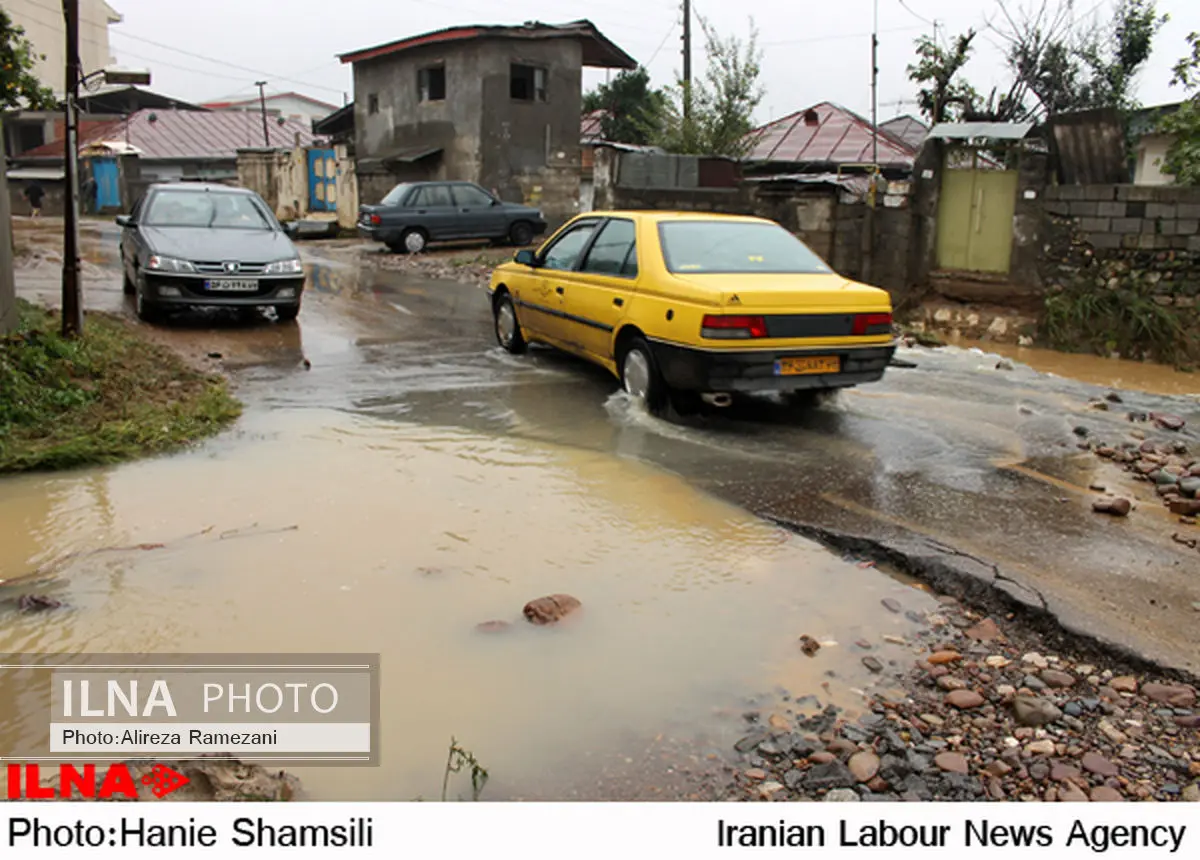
(108, 183)
(322, 180)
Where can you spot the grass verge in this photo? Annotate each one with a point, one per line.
(106, 397)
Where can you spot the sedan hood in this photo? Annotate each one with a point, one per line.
(773, 292)
(217, 244)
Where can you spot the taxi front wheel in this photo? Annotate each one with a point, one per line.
(508, 330)
(640, 376)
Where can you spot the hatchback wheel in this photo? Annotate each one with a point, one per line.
(508, 330)
(640, 376)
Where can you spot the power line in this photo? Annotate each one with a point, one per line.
(159, 62)
(915, 15)
(838, 37)
(224, 62)
(657, 50)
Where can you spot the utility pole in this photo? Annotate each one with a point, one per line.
(868, 263)
(72, 299)
(262, 103)
(874, 88)
(687, 59)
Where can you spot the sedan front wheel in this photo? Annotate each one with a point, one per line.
(508, 330)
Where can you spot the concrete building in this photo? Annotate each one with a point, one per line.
(43, 23)
(495, 105)
(287, 105)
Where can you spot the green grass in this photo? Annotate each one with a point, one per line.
(107, 397)
(1123, 320)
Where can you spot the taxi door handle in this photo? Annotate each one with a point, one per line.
(558, 290)
(618, 302)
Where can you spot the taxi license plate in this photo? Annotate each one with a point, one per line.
(232, 285)
(808, 364)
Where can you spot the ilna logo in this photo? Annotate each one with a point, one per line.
(117, 781)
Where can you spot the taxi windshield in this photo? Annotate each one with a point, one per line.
(733, 247)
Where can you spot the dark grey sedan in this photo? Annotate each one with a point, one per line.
(413, 214)
(190, 244)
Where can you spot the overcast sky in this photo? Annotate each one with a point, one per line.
(812, 51)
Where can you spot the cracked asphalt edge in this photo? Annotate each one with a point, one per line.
(983, 585)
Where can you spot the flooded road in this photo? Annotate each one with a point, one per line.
(435, 482)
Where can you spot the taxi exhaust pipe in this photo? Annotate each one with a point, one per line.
(721, 399)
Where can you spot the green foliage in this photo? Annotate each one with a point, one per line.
(1125, 319)
(457, 759)
(714, 116)
(1056, 62)
(104, 397)
(633, 110)
(1183, 156)
(940, 97)
(19, 88)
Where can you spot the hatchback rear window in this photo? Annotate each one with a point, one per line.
(732, 247)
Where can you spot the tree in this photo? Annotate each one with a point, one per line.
(1183, 156)
(940, 97)
(1067, 64)
(721, 105)
(19, 87)
(633, 110)
(1056, 63)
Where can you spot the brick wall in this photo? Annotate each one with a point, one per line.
(1130, 217)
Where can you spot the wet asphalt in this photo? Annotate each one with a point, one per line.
(959, 458)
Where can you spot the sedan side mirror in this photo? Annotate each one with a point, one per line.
(124, 220)
(526, 258)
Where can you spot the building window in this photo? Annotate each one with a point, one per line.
(372, 103)
(431, 84)
(527, 83)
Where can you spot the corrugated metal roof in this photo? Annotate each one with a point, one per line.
(598, 50)
(908, 128)
(590, 125)
(175, 134)
(1090, 147)
(827, 134)
(989, 130)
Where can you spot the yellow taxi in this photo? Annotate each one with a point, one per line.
(688, 306)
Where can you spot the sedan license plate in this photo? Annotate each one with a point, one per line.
(232, 285)
(808, 364)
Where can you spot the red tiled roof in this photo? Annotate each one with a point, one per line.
(827, 134)
(590, 125)
(189, 134)
(598, 51)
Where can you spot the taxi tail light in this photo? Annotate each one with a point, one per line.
(375, 219)
(865, 324)
(729, 327)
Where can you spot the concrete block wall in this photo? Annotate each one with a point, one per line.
(1130, 217)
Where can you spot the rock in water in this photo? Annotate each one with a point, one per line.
(809, 646)
(1115, 507)
(548, 610)
(493, 626)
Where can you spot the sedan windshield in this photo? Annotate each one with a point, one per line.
(733, 247)
(206, 209)
(396, 195)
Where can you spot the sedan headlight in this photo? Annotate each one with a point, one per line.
(169, 264)
(285, 267)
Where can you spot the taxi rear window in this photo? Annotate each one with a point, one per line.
(731, 247)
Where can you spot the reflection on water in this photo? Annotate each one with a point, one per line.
(405, 539)
(1095, 370)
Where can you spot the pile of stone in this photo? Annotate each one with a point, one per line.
(1166, 464)
(983, 718)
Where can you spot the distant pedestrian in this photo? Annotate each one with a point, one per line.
(35, 193)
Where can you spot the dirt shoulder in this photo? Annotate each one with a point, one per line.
(110, 396)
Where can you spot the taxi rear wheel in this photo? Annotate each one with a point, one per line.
(508, 330)
(640, 376)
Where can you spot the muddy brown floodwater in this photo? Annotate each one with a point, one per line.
(405, 538)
